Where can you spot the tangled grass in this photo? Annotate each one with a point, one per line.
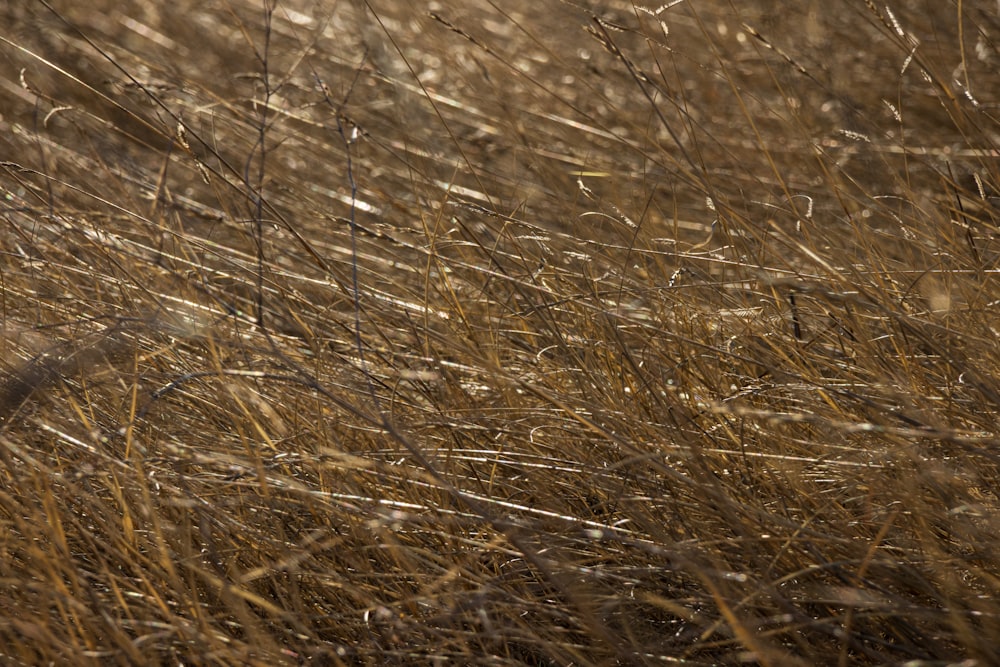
(499, 333)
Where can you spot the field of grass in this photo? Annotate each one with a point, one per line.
(499, 332)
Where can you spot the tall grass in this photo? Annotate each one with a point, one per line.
(499, 333)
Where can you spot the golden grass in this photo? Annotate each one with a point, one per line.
(499, 333)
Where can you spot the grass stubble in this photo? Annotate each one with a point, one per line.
(499, 333)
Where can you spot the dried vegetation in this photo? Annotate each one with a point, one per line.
(499, 332)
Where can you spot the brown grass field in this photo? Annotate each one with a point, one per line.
(499, 332)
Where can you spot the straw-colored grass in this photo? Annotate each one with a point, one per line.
(499, 333)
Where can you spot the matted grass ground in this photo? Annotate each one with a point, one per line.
(587, 333)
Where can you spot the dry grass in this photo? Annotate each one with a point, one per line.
(499, 333)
